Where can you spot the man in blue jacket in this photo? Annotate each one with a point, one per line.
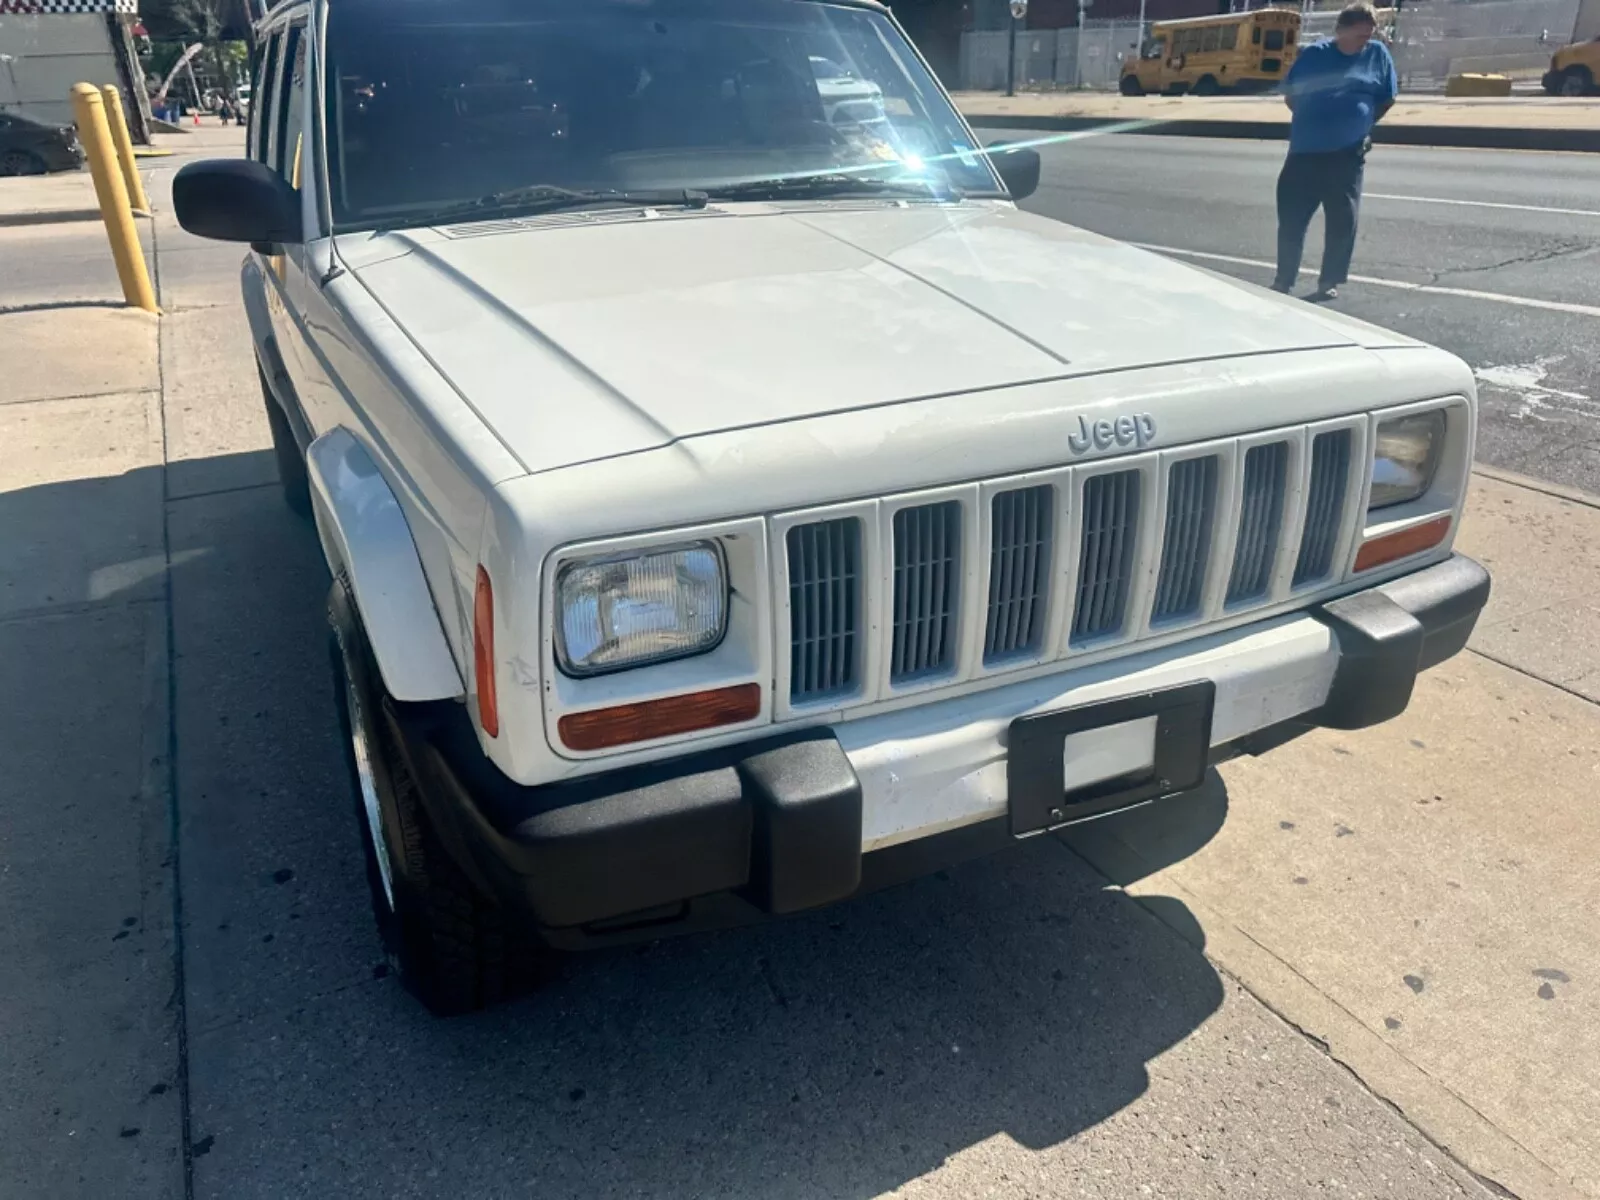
(1337, 90)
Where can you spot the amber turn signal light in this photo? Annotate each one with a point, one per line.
(483, 655)
(670, 716)
(1392, 547)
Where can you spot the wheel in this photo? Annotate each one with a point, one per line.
(1207, 86)
(1577, 81)
(449, 944)
(1129, 85)
(291, 463)
(21, 162)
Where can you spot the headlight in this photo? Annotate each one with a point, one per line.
(616, 613)
(1405, 458)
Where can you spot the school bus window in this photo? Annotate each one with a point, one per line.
(1274, 39)
(1255, 36)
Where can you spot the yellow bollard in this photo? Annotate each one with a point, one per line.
(89, 108)
(124, 144)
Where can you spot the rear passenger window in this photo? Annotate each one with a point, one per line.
(261, 101)
(287, 103)
(292, 146)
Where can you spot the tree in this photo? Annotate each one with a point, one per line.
(206, 21)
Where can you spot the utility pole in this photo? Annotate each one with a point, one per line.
(1083, 7)
(1019, 13)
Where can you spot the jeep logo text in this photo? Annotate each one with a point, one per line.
(1136, 430)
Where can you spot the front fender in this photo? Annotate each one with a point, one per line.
(365, 535)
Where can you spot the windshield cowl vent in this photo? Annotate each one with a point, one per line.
(567, 220)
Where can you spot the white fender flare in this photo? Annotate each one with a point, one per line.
(364, 534)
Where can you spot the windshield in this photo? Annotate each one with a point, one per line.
(434, 103)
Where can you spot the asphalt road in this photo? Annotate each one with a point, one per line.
(1507, 245)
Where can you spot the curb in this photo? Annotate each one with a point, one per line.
(1556, 491)
(1461, 137)
(49, 216)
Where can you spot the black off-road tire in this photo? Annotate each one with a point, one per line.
(292, 475)
(1129, 85)
(1577, 81)
(452, 946)
(1207, 86)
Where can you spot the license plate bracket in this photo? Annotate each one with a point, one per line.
(1041, 796)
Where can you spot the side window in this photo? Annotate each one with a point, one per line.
(1255, 36)
(288, 107)
(294, 98)
(261, 99)
(1209, 40)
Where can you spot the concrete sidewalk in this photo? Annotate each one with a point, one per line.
(1417, 900)
(1422, 897)
(1518, 123)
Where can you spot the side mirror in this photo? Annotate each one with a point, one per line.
(237, 200)
(1018, 167)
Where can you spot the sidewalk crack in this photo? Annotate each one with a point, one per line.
(1494, 1185)
(1527, 674)
(180, 984)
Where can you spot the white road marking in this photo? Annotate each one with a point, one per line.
(1526, 382)
(1562, 306)
(1539, 208)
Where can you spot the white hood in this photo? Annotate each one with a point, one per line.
(590, 335)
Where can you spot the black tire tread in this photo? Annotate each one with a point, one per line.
(453, 947)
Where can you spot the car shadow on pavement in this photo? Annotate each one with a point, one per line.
(840, 1053)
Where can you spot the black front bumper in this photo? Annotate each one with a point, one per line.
(727, 836)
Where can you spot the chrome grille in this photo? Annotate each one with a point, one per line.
(1330, 471)
(927, 551)
(824, 608)
(1019, 572)
(1110, 511)
(1186, 543)
(1260, 514)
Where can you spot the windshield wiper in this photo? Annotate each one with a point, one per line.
(544, 198)
(832, 184)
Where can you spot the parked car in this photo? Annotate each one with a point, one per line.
(729, 514)
(846, 99)
(1574, 69)
(29, 147)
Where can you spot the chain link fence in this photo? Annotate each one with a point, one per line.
(1431, 40)
(1049, 57)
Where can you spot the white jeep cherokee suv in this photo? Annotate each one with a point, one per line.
(731, 508)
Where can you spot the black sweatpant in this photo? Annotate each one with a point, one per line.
(1330, 181)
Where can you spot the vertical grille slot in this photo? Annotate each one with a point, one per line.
(1105, 553)
(1260, 517)
(1019, 570)
(824, 607)
(927, 562)
(1186, 546)
(1330, 472)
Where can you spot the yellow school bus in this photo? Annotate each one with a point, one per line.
(1239, 52)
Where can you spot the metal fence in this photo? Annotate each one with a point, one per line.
(1431, 40)
(1049, 57)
